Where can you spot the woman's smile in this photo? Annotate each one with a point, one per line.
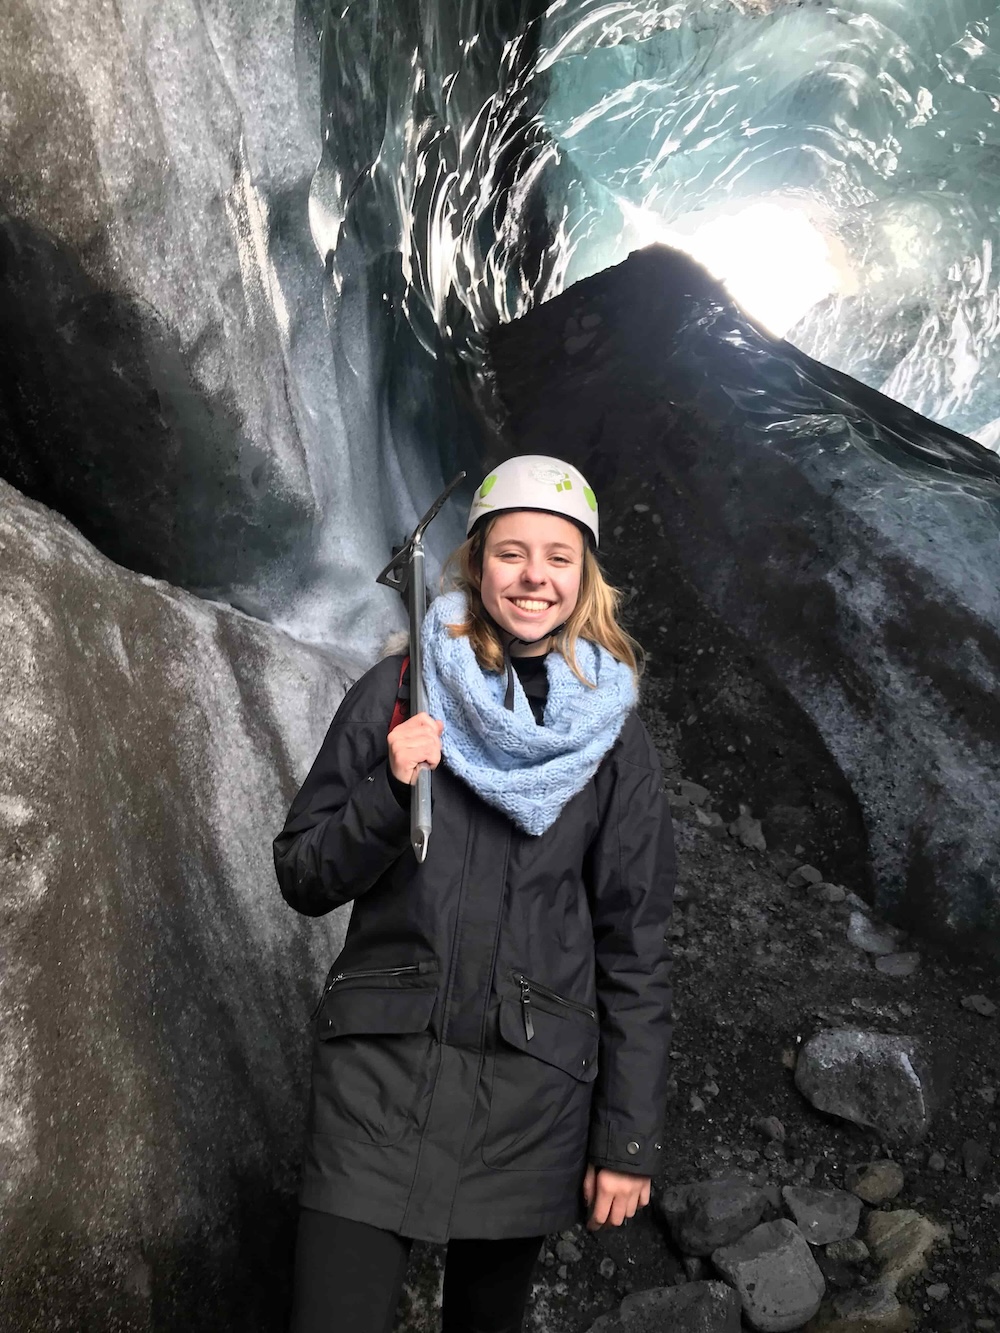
(531, 573)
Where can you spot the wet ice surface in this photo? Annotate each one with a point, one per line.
(834, 163)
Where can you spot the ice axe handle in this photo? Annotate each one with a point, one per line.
(420, 813)
(405, 573)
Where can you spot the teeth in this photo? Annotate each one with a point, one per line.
(525, 605)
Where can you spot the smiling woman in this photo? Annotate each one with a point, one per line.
(532, 565)
(491, 1053)
(531, 538)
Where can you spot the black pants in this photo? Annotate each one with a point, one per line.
(348, 1279)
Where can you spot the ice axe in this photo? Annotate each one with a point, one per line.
(405, 574)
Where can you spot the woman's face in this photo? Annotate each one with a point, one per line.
(532, 564)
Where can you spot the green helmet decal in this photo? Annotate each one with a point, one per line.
(590, 497)
(487, 486)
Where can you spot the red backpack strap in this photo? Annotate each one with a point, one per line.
(401, 707)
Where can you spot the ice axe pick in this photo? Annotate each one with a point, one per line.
(405, 574)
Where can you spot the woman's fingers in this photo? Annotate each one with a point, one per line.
(588, 1184)
(617, 1197)
(415, 742)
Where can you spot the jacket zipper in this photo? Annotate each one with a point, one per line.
(366, 972)
(528, 986)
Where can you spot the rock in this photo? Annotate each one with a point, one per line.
(898, 964)
(693, 793)
(771, 1127)
(567, 1252)
(899, 1242)
(873, 1308)
(864, 934)
(935, 1162)
(874, 1079)
(607, 1267)
(823, 1216)
(853, 1250)
(824, 892)
(695, 1307)
(694, 1268)
(156, 989)
(938, 1291)
(880, 1182)
(874, 1303)
(774, 1272)
(784, 862)
(902, 571)
(748, 831)
(803, 875)
(975, 1158)
(711, 822)
(979, 1004)
(703, 1215)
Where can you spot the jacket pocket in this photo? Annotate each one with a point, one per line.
(372, 1053)
(543, 1065)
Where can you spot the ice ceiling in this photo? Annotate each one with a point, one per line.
(836, 164)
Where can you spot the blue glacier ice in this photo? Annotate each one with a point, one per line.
(250, 253)
(479, 158)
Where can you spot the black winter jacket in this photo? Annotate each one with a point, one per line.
(500, 1015)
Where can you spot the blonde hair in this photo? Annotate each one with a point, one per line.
(595, 616)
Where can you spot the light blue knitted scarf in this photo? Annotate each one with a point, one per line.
(528, 771)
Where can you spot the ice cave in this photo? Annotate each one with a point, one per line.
(272, 272)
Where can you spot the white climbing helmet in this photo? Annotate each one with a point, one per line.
(534, 481)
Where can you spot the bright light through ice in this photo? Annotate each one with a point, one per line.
(776, 263)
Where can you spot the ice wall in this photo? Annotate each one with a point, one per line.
(249, 253)
(835, 164)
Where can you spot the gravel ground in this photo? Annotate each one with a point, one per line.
(760, 966)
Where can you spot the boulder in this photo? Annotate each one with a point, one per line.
(873, 1308)
(823, 1216)
(883, 1081)
(155, 991)
(873, 938)
(850, 1251)
(705, 1214)
(879, 1182)
(778, 1279)
(696, 1307)
(845, 542)
(899, 1242)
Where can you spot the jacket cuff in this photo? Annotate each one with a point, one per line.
(384, 808)
(402, 791)
(619, 1147)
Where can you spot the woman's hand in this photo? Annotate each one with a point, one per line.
(612, 1196)
(414, 742)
